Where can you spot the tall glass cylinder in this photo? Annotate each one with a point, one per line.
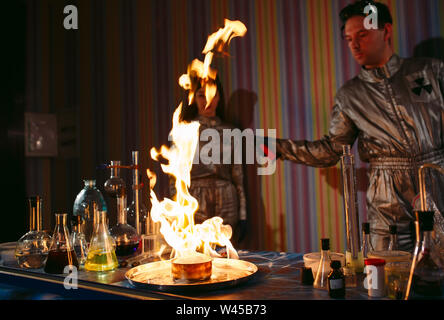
(353, 254)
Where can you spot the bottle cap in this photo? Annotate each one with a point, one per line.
(425, 219)
(393, 229)
(335, 264)
(325, 244)
(366, 227)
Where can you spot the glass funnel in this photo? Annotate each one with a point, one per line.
(61, 253)
(101, 253)
(33, 247)
(79, 242)
(126, 237)
(89, 199)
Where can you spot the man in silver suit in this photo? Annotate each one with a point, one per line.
(395, 109)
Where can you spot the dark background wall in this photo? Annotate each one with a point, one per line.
(113, 86)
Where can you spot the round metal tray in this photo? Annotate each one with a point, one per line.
(157, 276)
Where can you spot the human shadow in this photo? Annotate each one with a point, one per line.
(239, 112)
(430, 48)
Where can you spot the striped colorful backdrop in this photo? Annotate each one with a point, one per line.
(129, 54)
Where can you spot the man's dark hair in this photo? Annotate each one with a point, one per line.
(357, 9)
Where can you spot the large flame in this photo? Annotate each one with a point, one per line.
(176, 215)
(216, 43)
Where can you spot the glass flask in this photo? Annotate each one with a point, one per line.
(427, 275)
(85, 203)
(144, 222)
(126, 237)
(79, 242)
(324, 266)
(366, 246)
(393, 244)
(114, 184)
(61, 252)
(33, 247)
(101, 253)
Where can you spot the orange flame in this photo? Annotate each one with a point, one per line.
(176, 216)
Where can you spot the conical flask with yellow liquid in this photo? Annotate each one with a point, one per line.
(101, 253)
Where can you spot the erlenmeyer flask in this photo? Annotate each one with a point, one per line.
(126, 237)
(101, 253)
(324, 266)
(78, 240)
(32, 248)
(61, 252)
(427, 275)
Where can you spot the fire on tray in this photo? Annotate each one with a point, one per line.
(194, 245)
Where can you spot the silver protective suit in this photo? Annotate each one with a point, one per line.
(397, 114)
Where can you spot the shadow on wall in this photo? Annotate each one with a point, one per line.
(430, 48)
(240, 113)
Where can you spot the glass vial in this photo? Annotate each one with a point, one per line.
(32, 248)
(79, 242)
(61, 253)
(366, 246)
(393, 244)
(324, 266)
(101, 253)
(336, 281)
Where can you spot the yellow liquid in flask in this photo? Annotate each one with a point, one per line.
(100, 260)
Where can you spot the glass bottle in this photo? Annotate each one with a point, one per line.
(393, 244)
(101, 253)
(79, 242)
(61, 252)
(33, 247)
(427, 276)
(126, 237)
(366, 246)
(89, 199)
(324, 266)
(336, 281)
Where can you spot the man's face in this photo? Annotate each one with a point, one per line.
(368, 46)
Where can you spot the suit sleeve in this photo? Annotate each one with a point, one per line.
(325, 152)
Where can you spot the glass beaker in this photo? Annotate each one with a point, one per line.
(32, 248)
(87, 201)
(61, 252)
(396, 278)
(101, 253)
(126, 237)
(79, 242)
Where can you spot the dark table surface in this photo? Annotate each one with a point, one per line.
(278, 278)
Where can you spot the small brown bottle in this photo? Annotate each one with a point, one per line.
(336, 281)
